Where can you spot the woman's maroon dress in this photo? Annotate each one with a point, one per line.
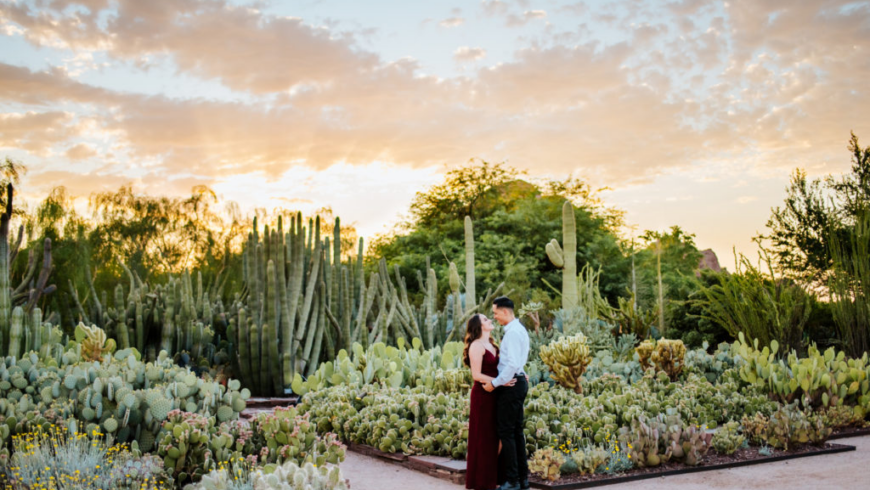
(482, 459)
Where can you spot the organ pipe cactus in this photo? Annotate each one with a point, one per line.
(32, 286)
(565, 256)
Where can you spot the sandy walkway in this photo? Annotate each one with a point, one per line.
(836, 471)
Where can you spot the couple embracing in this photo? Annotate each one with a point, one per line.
(496, 445)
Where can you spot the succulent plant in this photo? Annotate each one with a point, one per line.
(589, 459)
(565, 256)
(669, 356)
(644, 353)
(567, 359)
(727, 438)
(94, 343)
(547, 463)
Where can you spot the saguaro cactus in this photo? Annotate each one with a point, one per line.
(470, 296)
(565, 256)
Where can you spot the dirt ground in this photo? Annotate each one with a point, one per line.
(836, 471)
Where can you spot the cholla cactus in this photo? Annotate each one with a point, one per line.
(727, 438)
(547, 462)
(567, 359)
(94, 342)
(644, 352)
(669, 356)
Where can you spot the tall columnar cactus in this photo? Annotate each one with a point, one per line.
(5, 292)
(565, 256)
(31, 288)
(470, 293)
(16, 332)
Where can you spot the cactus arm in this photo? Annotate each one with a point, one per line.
(336, 266)
(29, 272)
(313, 275)
(346, 308)
(314, 323)
(367, 297)
(95, 298)
(128, 272)
(122, 334)
(314, 357)
(13, 251)
(16, 332)
(431, 316)
(79, 307)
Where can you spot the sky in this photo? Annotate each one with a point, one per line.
(692, 113)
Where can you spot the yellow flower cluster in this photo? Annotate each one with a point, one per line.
(45, 459)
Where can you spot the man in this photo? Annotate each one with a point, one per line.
(513, 355)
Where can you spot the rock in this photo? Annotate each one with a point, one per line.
(708, 261)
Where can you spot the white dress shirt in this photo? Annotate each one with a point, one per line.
(514, 352)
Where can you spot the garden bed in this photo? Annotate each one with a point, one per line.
(845, 432)
(454, 470)
(713, 461)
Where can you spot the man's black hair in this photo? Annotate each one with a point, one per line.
(503, 302)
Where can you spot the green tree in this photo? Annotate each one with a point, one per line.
(800, 230)
(513, 221)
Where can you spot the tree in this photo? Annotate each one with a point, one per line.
(513, 221)
(461, 193)
(800, 230)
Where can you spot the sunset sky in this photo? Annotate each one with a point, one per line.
(693, 112)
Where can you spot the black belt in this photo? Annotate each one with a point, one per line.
(520, 375)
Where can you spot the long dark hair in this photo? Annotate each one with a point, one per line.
(473, 331)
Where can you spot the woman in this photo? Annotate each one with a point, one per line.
(481, 355)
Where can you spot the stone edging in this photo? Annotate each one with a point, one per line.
(831, 449)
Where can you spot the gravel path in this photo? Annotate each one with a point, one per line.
(836, 471)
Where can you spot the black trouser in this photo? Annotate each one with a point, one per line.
(510, 430)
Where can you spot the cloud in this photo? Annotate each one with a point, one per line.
(514, 20)
(772, 95)
(467, 54)
(36, 132)
(81, 151)
(239, 46)
(746, 199)
(499, 8)
(451, 22)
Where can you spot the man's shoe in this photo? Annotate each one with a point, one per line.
(524, 485)
(509, 486)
